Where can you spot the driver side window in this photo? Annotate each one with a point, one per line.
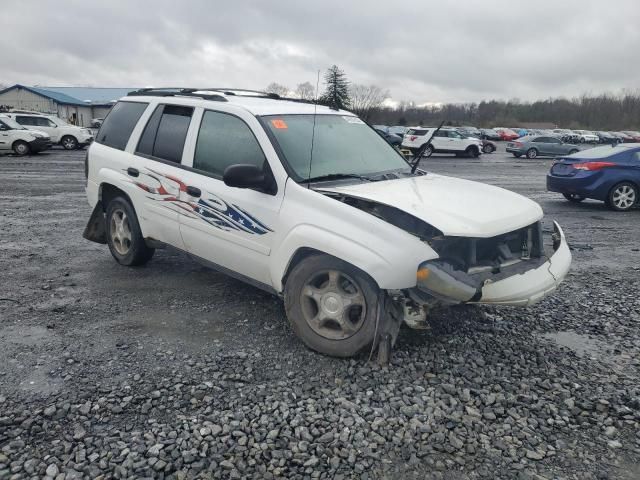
(225, 140)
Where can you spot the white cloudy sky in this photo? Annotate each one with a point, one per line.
(426, 51)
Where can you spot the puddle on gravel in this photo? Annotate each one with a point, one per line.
(581, 344)
(195, 328)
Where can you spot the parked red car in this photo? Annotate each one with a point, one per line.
(633, 134)
(507, 134)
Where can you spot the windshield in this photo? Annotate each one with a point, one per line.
(341, 145)
(11, 123)
(58, 121)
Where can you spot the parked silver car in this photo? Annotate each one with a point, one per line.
(540, 145)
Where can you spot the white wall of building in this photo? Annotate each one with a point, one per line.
(26, 100)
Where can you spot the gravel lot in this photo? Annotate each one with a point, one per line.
(176, 371)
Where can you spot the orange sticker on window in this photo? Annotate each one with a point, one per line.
(279, 124)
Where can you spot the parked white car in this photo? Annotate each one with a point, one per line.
(585, 136)
(14, 137)
(61, 132)
(353, 237)
(446, 140)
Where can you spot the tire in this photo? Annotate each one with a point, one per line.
(69, 142)
(325, 280)
(573, 197)
(488, 148)
(582, 140)
(428, 151)
(125, 243)
(573, 150)
(623, 196)
(472, 152)
(517, 155)
(532, 153)
(21, 148)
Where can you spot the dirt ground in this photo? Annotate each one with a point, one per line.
(551, 391)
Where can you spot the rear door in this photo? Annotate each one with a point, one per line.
(159, 173)
(543, 145)
(231, 227)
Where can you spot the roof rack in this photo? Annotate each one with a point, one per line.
(220, 96)
(177, 92)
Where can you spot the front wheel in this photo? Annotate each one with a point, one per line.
(331, 305)
(69, 142)
(124, 236)
(21, 148)
(623, 196)
(532, 153)
(573, 197)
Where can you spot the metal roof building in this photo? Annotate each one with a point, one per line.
(77, 105)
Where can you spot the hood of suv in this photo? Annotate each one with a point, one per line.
(454, 206)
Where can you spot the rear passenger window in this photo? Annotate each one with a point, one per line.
(25, 120)
(119, 124)
(225, 140)
(166, 132)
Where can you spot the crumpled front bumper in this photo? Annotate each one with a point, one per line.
(521, 289)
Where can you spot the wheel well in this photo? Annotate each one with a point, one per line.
(18, 141)
(68, 135)
(108, 192)
(635, 184)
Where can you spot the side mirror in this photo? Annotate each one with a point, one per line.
(248, 176)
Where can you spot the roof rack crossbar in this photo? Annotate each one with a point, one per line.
(176, 92)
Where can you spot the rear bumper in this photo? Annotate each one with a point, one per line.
(590, 186)
(521, 289)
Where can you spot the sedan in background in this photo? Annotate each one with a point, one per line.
(539, 145)
(393, 140)
(623, 137)
(607, 138)
(489, 134)
(609, 174)
(506, 134)
(397, 130)
(633, 134)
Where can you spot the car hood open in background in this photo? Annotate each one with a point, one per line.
(454, 206)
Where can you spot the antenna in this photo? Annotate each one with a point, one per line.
(313, 131)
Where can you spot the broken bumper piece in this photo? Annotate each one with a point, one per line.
(522, 284)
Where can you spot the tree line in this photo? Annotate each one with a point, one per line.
(593, 112)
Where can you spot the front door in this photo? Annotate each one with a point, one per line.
(231, 227)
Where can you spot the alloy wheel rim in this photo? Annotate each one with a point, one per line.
(624, 197)
(22, 149)
(68, 143)
(120, 232)
(333, 305)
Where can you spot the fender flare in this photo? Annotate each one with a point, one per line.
(314, 238)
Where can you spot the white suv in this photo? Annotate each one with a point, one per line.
(61, 132)
(445, 140)
(14, 137)
(585, 136)
(311, 204)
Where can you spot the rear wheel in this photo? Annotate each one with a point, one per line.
(69, 142)
(623, 196)
(573, 197)
(331, 305)
(532, 153)
(428, 151)
(124, 235)
(472, 152)
(20, 148)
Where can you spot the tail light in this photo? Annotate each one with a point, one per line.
(593, 166)
(412, 138)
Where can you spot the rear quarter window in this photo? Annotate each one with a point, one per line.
(417, 132)
(119, 124)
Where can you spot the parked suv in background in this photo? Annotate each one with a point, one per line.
(62, 133)
(585, 136)
(446, 140)
(310, 203)
(14, 137)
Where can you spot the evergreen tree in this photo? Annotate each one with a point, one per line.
(336, 93)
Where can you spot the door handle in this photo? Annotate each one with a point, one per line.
(193, 191)
(132, 172)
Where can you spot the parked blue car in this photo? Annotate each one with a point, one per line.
(610, 174)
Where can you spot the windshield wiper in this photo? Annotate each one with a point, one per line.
(335, 176)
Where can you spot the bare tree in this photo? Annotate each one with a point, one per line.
(278, 89)
(366, 98)
(305, 91)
